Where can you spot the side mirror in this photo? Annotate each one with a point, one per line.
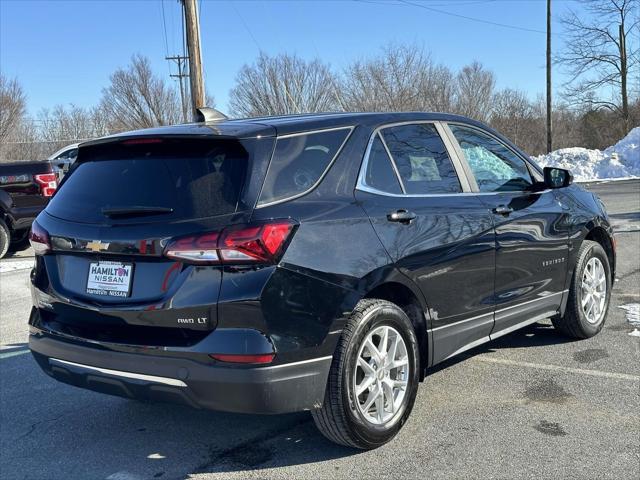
(557, 177)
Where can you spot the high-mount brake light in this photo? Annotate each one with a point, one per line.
(142, 141)
(48, 183)
(247, 244)
(39, 239)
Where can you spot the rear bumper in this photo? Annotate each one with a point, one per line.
(283, 388)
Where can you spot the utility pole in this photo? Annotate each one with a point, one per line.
(623, 76)
(192, 27)
(181, 60)
(549, 126)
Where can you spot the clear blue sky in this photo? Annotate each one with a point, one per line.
(64, 51)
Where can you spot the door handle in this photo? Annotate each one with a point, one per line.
(503, 210)
(401, 216)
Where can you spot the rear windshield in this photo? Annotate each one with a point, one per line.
(165, 181)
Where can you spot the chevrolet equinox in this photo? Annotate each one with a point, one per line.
(311, 262)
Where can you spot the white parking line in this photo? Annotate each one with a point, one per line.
(558, 368)
(123, 475)
(13, 353)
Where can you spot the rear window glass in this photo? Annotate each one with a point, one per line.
(299, 161)
(175, 180)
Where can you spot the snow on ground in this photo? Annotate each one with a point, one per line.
(633, 317)
(621, 160)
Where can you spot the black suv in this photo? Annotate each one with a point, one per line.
(316, 262)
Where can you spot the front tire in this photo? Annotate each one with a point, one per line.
(589, 294)
(373, 379)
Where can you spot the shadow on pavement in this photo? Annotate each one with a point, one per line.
(158, 440)
(535, 335)
(82, 434)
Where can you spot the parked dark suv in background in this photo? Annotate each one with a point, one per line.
(315, 262)
(25, 189)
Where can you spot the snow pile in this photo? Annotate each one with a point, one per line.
(622, 160)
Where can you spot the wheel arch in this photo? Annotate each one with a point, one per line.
(600, 235)
(409, 300)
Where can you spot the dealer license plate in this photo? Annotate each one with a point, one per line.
(111, 279)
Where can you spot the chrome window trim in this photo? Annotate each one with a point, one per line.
(527, 163)
(324, 173)
(309, 132)
(375, 191)
(453, 156)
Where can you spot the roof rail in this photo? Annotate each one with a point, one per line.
(206, 114)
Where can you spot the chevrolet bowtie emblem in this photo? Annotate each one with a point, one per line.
(96, 246)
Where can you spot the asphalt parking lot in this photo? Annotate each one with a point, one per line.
(530, 405)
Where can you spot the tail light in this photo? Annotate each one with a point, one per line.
(263, 243)
(48, 183)
(39, 239)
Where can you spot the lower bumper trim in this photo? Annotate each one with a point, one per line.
(175, 378)
(118, 373)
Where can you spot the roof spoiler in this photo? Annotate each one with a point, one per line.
(206, 114)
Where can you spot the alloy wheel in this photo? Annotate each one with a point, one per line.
(594, 290)
(381, 375)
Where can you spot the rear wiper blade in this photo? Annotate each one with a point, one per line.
(134, 211)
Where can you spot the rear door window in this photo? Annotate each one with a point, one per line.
(299, 161)
(380, 174)
(180, 179)
(421, 159)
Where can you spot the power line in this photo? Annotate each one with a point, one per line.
(164, 25)
(466, 17)
(449, 4)
(246, 26)
(473, 19)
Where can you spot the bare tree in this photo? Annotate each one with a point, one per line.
(474, 91)
(12, 106)
(392, 81)
(440, 92)
(24, 143)
(281, 85)
(597, 55)
(64, 124)
(512, 114)
(137, 98)
(401, 78)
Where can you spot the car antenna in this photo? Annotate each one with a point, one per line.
(206, 114)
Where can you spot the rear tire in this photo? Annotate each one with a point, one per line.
(589, 294)
(373, 379)
(5, 239)
(19, 240)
